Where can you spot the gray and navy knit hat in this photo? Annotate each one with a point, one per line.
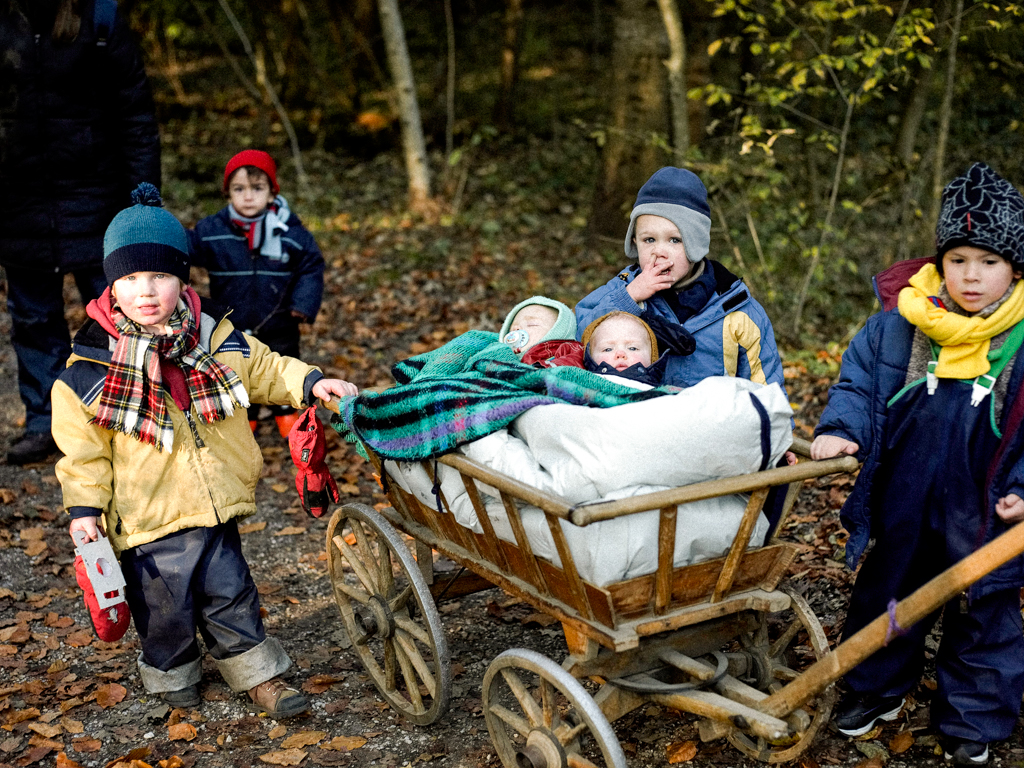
(145, 238)
(680, 196)
(982, 209)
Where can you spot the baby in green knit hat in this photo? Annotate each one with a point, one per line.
(542, 333)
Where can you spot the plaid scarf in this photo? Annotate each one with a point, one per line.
(132, 400)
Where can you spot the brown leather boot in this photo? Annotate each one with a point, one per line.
(278, 699)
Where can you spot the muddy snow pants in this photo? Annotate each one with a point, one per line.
(198, 578)
(980, 661)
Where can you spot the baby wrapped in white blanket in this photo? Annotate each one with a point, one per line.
(718, 428)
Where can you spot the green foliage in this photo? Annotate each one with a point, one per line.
(806, 185)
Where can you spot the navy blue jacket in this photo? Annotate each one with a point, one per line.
(261, 292)
(78, 135)
(874, 369)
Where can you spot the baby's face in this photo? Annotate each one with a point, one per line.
(621, 342)
(536, 320)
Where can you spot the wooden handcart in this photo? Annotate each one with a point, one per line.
(716, 639)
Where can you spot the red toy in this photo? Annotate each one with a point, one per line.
(314, 483)
(99, 575)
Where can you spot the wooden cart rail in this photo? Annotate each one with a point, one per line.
(618, 615)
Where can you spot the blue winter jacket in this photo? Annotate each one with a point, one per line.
(874, 369)
(734, 335)
(261, 292)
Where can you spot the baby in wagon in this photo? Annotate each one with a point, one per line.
(542, 333)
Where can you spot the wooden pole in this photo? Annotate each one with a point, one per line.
(909, 611)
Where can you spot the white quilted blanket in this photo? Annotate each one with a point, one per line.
(718, 428)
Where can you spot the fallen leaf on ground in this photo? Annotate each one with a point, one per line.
(681, 752)
(7, 496)
(79, 639)
(34, 548)
(110, 694)
(87, 745)
(284, 757)
(63, 761)
(19, 633)
(171, 762)
(72, 726)
(252, 527)
(32, 534)
(344, 743)
(49, 731)
(279, 487)
(874, 762)
(291, 530)
(181, 732)
(20, 716)
(303, 739)
(319, 683)
(277, 732)
(901, 742)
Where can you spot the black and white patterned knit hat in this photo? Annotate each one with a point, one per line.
(982, 209)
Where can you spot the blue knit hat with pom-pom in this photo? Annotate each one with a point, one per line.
(145, 238)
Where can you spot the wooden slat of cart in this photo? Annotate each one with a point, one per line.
(526, 550)
(604, 632)
(761, 568)
(666, 554)
(569, 573)
(592, 512)
(454, 530)
(489, 540)
(740, 543)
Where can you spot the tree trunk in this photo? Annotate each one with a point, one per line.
(637, 109)
(912, 116)
(944, 115)
(413, 144)
(504, 109)
(676, 66)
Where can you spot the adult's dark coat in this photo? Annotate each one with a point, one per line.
(77, 134)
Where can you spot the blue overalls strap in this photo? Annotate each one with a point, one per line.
(103, 20)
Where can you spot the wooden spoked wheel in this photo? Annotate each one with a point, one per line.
(783, 645)
(389, 613)
(539, 716)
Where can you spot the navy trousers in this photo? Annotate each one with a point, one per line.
(196, 578)
(39, 333)
(980, 662)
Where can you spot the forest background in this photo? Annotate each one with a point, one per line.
(823, 130)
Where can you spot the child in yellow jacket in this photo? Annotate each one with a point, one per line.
(150, 414)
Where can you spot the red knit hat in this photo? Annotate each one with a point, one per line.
(256, 158)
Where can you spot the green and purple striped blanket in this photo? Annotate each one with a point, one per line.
(472, 386)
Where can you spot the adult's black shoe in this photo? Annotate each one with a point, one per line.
(962, 752)
(858, 713)
(31, 447)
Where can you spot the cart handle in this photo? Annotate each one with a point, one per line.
(909, 611)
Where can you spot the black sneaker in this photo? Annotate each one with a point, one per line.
(858, 713)
(184, 698)
(966, 752)
(31, 447)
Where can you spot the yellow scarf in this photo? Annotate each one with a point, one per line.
(964, 340)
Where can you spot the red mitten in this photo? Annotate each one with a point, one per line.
(314, 483)
(110, 622)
